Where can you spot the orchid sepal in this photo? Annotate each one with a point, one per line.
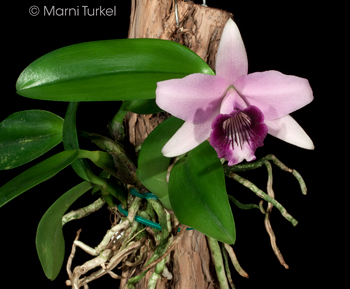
(287, 129)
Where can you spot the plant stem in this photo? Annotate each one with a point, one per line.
(301, 182)
(267, 217)
(71, 256)
(116, 127)
(110, 264)
(227, 266)
(170, 247)
(110, 233)
(218, 262)
(162, 218)
(264, 196)
(261, 162)
(122, 166)
(242, 206)
(156, 274)
(234, 261)
(83, 212)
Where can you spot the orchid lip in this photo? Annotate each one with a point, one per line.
(238, 129)
(237, 135)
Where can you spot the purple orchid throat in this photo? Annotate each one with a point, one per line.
(237, 135)
(235, 109)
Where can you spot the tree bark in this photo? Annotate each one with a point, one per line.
(199, 28)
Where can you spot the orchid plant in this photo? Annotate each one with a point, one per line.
(177, 169)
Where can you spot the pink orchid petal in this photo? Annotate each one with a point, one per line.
(231, 58)
(232, 101)
(276, 94)
(187, 137)
(288, 130)
(193, 97)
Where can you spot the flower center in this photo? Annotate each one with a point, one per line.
(237, 135)
(237, 129)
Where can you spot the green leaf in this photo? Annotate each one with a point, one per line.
(49, 238)
(198, 194)
(36, 175)
(51, 166)
(152, 165)
(143, 106)
(26, 135)
(70, 140)
(123, 69)
(81, 166)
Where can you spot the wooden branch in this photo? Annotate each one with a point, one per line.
(199, 29)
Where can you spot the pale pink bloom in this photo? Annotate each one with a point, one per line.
(235, 109)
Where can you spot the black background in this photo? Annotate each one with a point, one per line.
(287, 38)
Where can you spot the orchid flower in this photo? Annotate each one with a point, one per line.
(235, 109)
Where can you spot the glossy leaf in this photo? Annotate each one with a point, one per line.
(123, 69)
(70, 140)
(49, 238)
(80, 165)
(198, 194)
(36, 175)
(143, 106)
(152, 165)
(26, 135)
